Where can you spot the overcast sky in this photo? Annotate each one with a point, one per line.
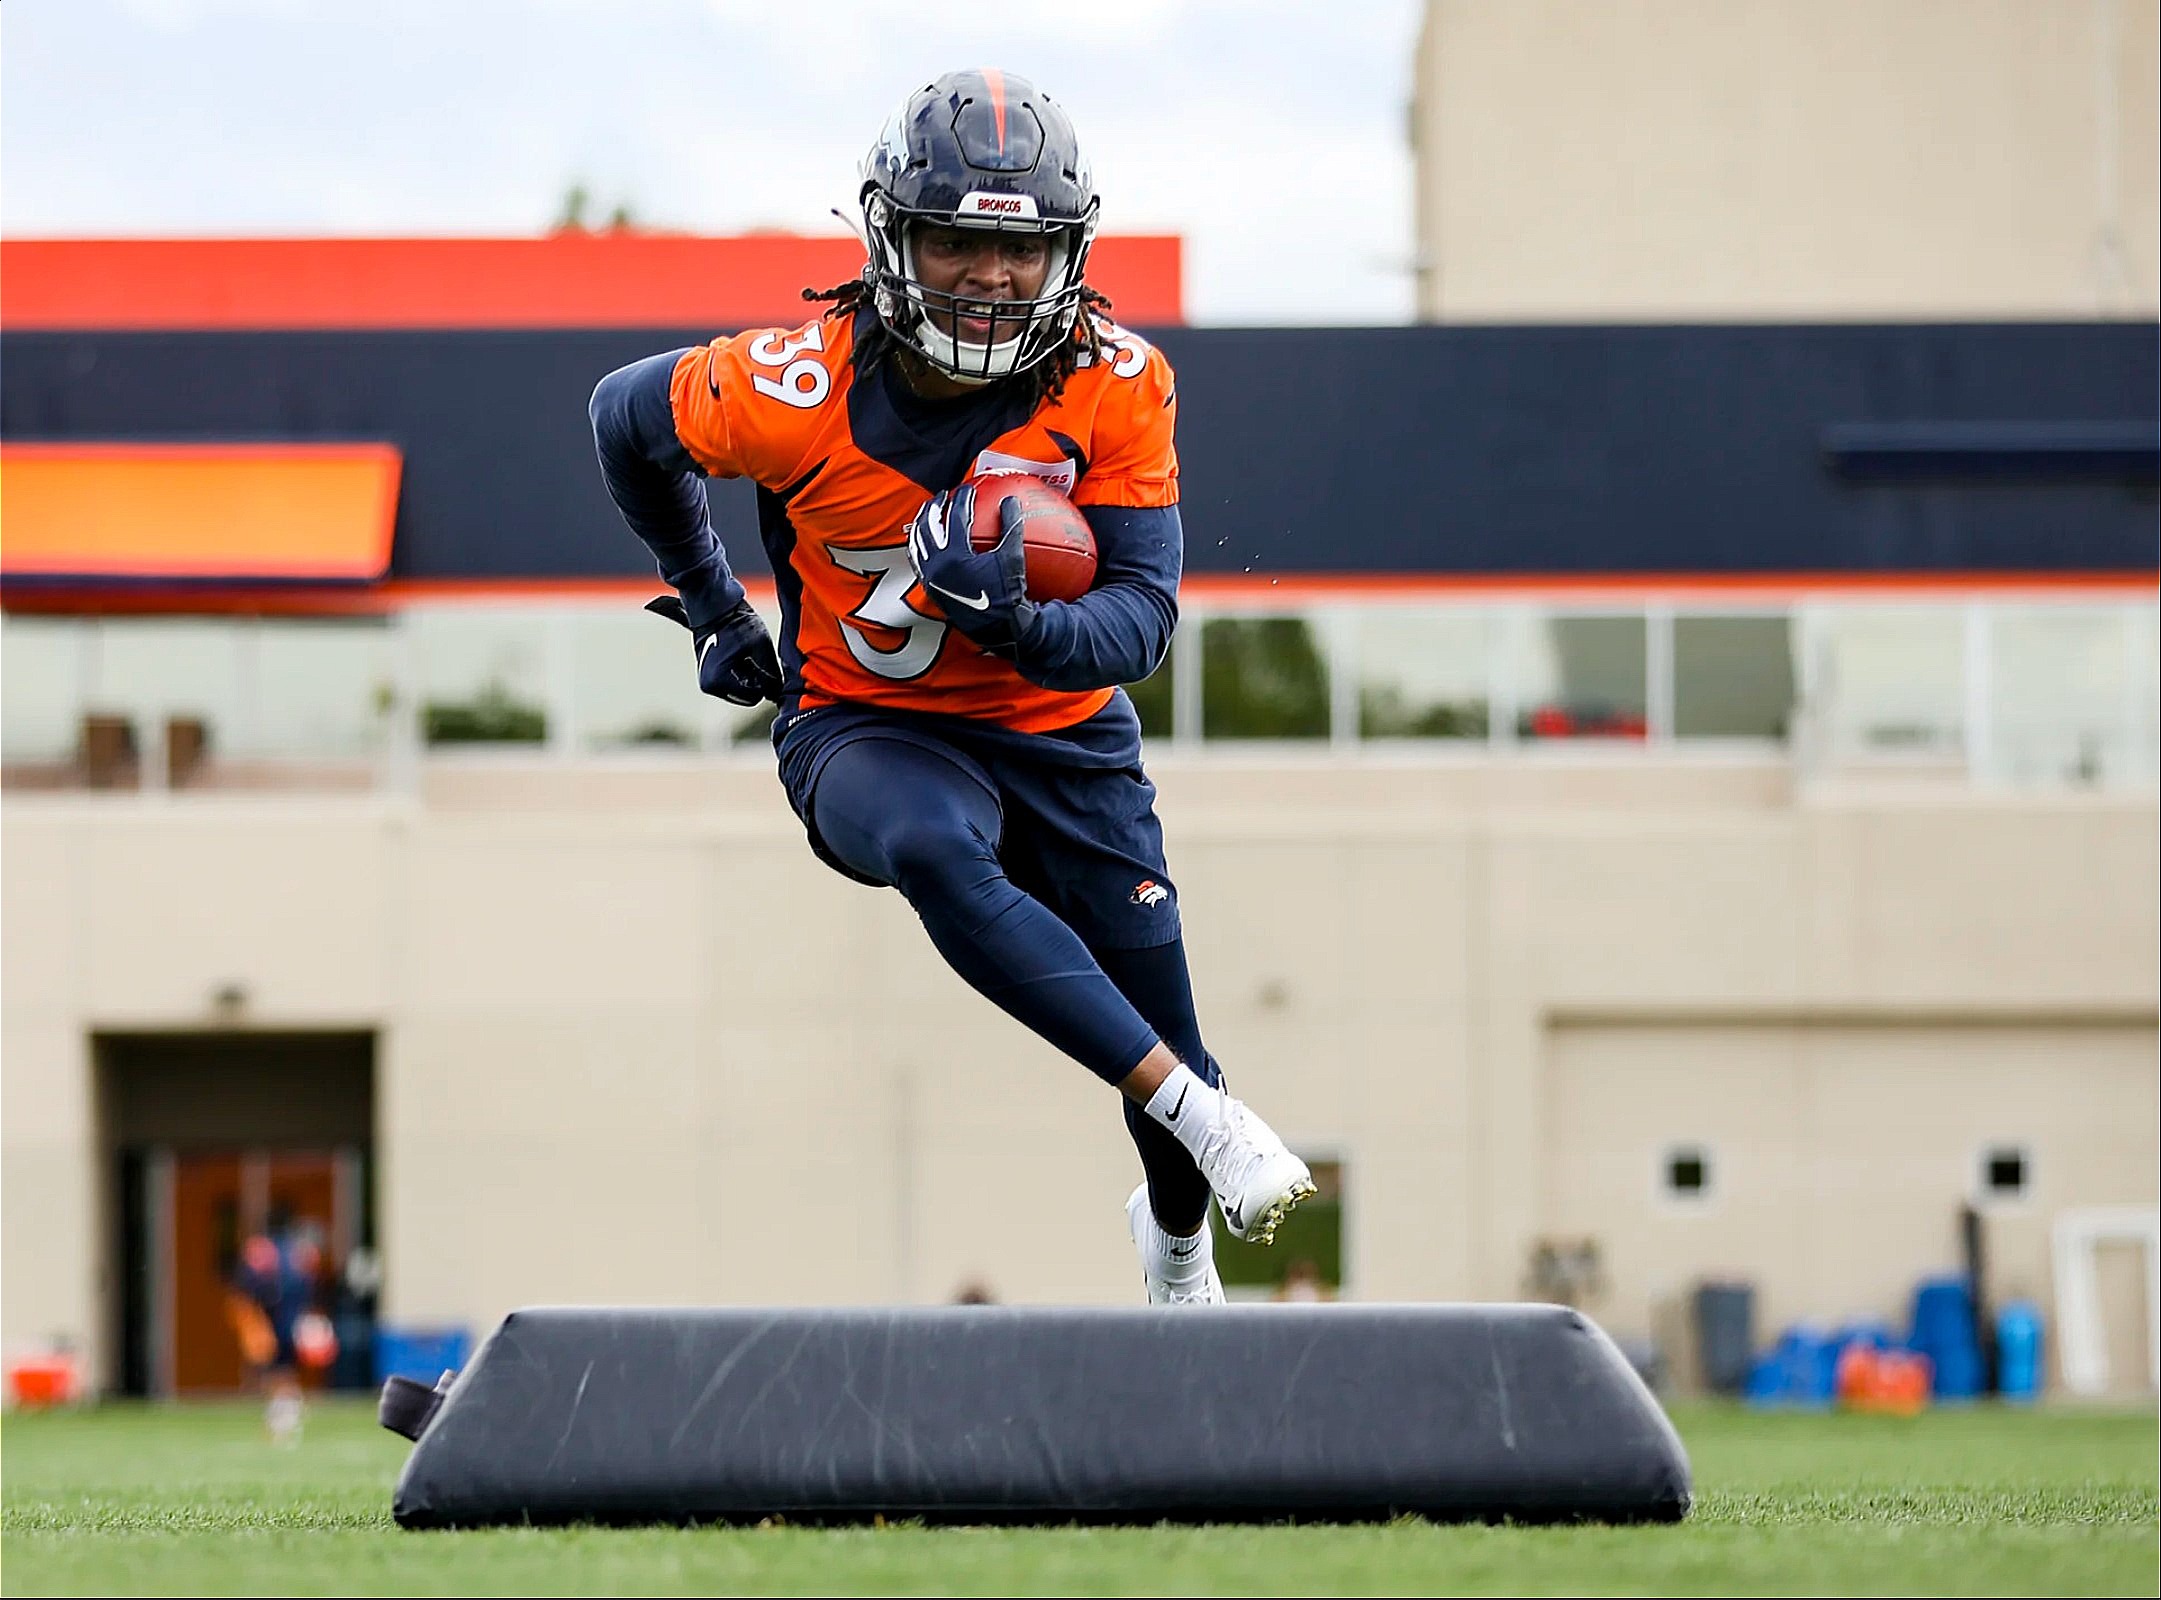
(1271, 134)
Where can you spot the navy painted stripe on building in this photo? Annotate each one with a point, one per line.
(1489, 451)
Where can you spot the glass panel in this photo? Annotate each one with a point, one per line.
(1733, 677)
(1582, 677)
(320, 689)
(634, 683)
(151, 668)
(2144, 629)
(1893, 680)
(1423, 674)
(1152, 699)
(483, 675)
(1306, 1260)
(41, 687)
(1263, 678)
(2057, 693)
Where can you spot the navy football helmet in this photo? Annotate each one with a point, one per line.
(977, 149)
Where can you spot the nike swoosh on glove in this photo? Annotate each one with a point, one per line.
(736, 659)
(984, 593)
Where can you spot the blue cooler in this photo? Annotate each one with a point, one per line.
(2019, 1350)
(422, 1354)
(1944, 1331)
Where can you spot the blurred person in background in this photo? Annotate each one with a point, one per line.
(1302, 1283)
(939, 732)
(274, 1302)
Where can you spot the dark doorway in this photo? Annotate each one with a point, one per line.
(205, 1138)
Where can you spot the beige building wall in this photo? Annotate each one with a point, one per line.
(636, 1045)
(1788, 159)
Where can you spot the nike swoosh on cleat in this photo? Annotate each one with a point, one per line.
(706, 648)
(1233, 1217)
(979, 602)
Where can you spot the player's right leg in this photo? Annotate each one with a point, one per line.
(1257, 1179)
(900, 812)
(1089, 842)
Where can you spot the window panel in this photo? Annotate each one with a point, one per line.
(1423, 674)
(1892, 680)
(41, 687)
(1152, 698)
(152, 668)
(1733, 677)
(1305, 1262)
(483, 674)
(634, 684)
(1581, 676)
(320, 689)
(2142, 627)
(1263, 678)
(2057, 690)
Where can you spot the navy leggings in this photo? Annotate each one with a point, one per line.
(899, 813)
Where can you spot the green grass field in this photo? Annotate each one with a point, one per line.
(191, 1500)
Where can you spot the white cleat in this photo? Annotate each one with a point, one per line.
(1171, 1281)
(1257, 1181)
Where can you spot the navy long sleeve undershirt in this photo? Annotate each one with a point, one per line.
(1116, 633)
(1119, 630)
(658, 488)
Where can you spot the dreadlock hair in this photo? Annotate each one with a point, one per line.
(1048, 376)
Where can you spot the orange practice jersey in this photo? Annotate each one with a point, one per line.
(779, 407)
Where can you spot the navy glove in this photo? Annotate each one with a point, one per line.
(982, 593)
(736, 661)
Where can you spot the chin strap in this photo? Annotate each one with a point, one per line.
(988, 363)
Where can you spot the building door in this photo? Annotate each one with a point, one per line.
(207, 1138)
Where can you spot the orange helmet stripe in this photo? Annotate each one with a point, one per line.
(996, 80)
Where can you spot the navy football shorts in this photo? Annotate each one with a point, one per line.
(1077, 826)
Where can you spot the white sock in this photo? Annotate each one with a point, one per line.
(1189, 1108)
(1178, 1248)
(1184, 1247)
(283, 1416)
(1180, 1255)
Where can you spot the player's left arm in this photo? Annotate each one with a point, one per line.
(1121, 629)
(657, 484)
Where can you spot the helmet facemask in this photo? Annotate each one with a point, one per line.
(1021, 332)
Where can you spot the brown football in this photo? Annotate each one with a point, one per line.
(1056, 539)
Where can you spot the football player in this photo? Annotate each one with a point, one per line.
(271, 1297)
(938, 732)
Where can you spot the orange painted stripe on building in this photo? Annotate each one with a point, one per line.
(565, 280)
(1637, 587)
(396, 594)
(313, 511)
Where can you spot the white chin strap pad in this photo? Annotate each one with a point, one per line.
(967, 360)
